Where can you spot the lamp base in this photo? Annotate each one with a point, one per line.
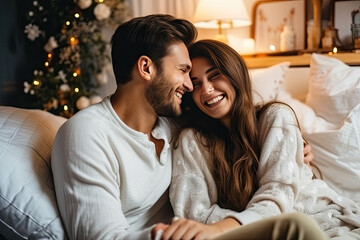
(221, 38)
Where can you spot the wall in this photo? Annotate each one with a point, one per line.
(15, 61)
(186, 9)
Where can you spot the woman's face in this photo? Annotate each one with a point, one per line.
(213, 93)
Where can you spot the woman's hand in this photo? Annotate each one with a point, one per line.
(308, 156)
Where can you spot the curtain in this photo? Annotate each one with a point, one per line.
(178, 8)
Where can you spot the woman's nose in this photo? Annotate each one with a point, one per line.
(208, 87)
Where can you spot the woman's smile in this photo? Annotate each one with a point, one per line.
(215, 101)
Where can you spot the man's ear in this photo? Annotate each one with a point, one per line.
(145, 67)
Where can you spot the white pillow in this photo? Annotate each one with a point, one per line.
(267, 83)
(335, 144)
(28, 206)
(334, 88)
(337, 154)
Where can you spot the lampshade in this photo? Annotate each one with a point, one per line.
(229, 13)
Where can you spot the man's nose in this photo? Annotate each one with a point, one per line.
(188, 84)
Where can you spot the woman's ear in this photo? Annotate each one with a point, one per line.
(145, 67)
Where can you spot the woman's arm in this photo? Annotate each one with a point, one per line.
(281, 168)
(193, 193)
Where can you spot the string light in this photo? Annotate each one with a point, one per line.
(75, 74)
(67, 23)
(66, 108)
(73, 41)
(49, 55)
(77, 15)
(36, 82)
(77, 90)
(46, 64)
(101, 1)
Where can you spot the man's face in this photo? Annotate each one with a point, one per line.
(171, 82)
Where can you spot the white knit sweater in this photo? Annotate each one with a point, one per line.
(285, 182)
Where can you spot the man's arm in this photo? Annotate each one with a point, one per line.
(87, 185)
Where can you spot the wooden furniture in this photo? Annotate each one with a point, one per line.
(260, 61)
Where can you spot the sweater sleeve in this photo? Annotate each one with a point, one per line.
(87, 185)
(193, 193)
(280, 166)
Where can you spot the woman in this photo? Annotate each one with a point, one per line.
(243, 162)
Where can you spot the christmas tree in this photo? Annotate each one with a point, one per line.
(76, 54)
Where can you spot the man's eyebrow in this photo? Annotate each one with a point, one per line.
(187, 66)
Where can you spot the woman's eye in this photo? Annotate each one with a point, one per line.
(195, 84)
(214, 75)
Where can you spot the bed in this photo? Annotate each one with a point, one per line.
(325, 95)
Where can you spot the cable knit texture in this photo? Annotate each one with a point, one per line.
(286, 183)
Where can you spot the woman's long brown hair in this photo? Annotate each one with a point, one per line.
(234, 153)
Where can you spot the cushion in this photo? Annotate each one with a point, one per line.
(329, 120)
(28, 206)
(334, 88)
(267, 83)
(337, 154)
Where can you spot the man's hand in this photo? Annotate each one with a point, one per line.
(158, 230)
(308, 156)
(189, 229)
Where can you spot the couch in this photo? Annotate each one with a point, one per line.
(325, 95)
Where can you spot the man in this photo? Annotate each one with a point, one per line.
(112, 161)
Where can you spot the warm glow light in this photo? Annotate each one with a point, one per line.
(221, 14)
(77, 89)
(46, 64)
(49, 55)
(78, 71)
(272, 48)
(77, 15)
(73, 41)
(36, 82)
(75, 74)
(231, 13)
(67, 23)
(248, 45)
(66, 107)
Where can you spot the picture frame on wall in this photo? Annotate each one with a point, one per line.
(279, 26)
(326, 14)
(342, 20)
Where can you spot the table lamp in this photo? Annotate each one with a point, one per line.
(221, 14)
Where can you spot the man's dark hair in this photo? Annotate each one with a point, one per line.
(150, 36)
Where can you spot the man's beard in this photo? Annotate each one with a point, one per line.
(161, 96)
